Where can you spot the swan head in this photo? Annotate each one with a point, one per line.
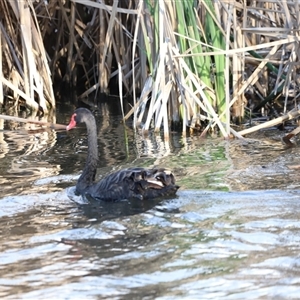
(80, 115)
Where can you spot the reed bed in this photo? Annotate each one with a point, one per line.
(202, 65)
(25, 74)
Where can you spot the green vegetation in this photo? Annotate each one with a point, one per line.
(188, 63)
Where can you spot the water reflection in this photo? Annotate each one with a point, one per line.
(24, 159)
(199, 245)
(262, 164)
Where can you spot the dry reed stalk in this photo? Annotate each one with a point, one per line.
(1, 72)
(255, 28)
(289, 116)
(27, 58)
(104, 75)
(110, 37)
(159, 50)
(208, 107)
(253, 77)
(227, 71)
(72, 42)
(143, 59)
(287, 138)
(40, 123)
(238, 67)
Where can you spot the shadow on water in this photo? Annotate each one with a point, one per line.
(100, 211)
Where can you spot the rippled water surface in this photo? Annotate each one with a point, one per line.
(232, 232)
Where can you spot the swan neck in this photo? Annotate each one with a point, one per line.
(89, 172)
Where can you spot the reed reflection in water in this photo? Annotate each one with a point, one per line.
(199, 245)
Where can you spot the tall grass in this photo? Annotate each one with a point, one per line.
(25, 73)
(189, 63)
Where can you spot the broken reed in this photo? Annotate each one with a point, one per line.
(193, 61)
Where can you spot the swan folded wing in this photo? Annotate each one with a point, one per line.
(137, 183)
(117, 186)
(115, 192)
(161, 177)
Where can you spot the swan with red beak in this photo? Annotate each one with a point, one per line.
(135, 182)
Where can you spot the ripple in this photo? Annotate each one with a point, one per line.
(200, 245)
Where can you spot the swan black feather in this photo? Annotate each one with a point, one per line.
(135, 182)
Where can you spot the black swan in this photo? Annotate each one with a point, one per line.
(128, 183)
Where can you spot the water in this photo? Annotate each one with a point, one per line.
(233, 231)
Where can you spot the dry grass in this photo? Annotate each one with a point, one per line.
(192, 69)
(25, 70)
